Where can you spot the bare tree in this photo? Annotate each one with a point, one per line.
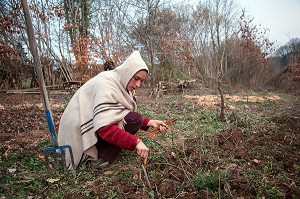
(75, 39)
(160, 31)
(14, 66)
(247, 60)
(212, 25)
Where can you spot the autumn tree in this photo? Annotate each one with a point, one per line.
(247, 60)
(46, 15)
(110, 27)
(287, 78)
(175, 57)
(13, 62)
(95, 31)
(158, 31)
(75, 39)
(77, 26)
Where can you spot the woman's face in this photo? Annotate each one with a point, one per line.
(136, 80)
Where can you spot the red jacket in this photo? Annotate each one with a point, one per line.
(119, 137)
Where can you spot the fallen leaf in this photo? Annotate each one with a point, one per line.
(52, 180)
(173, 154)
(41, 155)
(11, 170)
(108, 172)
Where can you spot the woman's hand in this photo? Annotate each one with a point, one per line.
(142, 151)
(161, 124)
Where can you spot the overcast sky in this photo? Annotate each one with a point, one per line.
(281, 17)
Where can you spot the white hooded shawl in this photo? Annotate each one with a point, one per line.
(100, 101)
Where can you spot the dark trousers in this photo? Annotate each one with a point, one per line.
(108, 151)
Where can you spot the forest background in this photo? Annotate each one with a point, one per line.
(211, 41)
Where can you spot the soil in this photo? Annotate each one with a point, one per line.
(271, 152)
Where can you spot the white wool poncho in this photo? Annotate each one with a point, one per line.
(100, 101)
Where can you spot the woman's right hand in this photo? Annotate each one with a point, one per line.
(155, 123)
(142, 151)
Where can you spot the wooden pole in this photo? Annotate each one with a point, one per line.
(38, 68)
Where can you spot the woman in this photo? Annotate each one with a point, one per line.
(100, 119)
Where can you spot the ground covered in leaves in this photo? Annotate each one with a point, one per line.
(255, 153)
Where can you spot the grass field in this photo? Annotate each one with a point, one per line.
(255, 153)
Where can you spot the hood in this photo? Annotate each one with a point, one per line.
(129, 67)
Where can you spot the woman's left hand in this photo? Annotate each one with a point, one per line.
(161, 124)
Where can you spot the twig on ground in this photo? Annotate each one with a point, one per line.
(184, 171)
(146, 176)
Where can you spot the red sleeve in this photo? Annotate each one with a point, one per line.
(144, 126)
(118, 137)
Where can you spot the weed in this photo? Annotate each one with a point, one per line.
(151, 193)
(88, 177)
(152, 174)
(125, 175)
(261, 139)
(150, 143)
(265, 169)
(204, 123)
(296, 168)
(144, 111)
(247, 133)
(266, 104)
(44, 143)
(282, 176)
(168, 135)
(210, 181)
(262, 187)
(110, 194)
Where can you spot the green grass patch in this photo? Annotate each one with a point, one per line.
(210, 181)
